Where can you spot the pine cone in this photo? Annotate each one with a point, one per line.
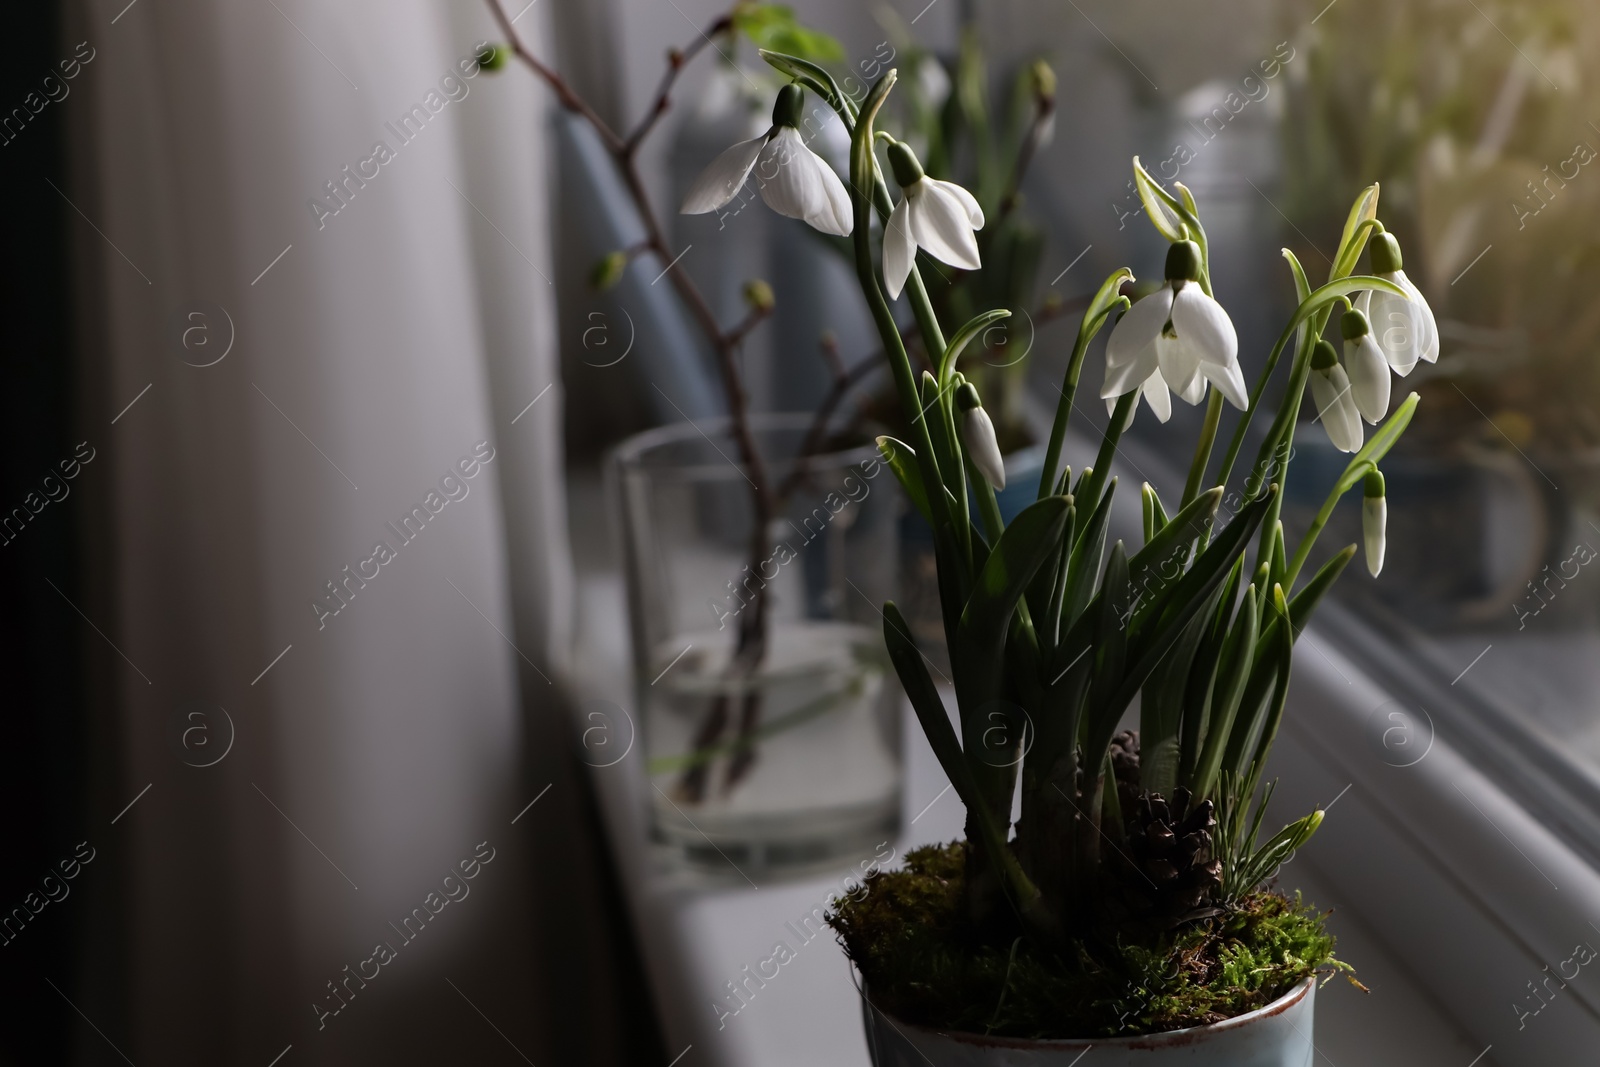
(1173, 876)
(1125, 768)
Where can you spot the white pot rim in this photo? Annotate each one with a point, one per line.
(1166, 1039)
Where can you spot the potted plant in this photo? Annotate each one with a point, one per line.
(1128, 898)
(1129, 906)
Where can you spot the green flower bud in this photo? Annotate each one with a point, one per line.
(607, 270)
(786, 110)
(1385, 254)
(1353, 325)
(967, 397)
(903, 161)
(493, 57)
(1044, 80)
(758, 295)
(1372, 486)
(1324, 356)
(1183, 261)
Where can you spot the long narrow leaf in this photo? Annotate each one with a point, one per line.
(1083, 566)
(902, 460)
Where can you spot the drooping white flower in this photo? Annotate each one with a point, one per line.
(1374, 519)
(933, 82)
(1405, 329)
(793, 180)
(939, 217)
(1176, 338)
(1368, 369)
(1330, 388)
(977, 433)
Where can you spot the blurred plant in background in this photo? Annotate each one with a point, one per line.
(1481, 127)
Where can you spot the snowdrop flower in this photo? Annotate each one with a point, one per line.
(1374, 517)
(1368, 368)
(933, 82)
(1330, 388)
(938, 217)
(977, 433)
(1406, 330)
(794, 180)
(1176, 338)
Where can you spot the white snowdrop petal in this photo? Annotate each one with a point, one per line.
(1201, 321)
(1428, 326)
(1156, 395)
(1399, 328)
(842, 213)
(785, 180)
(940, 226)
(1368, 371)
(719, 182)
(968, 201)
(1193, 389)
(1229, 380)
(899, 250)
(1131, 350)
(1340, 419)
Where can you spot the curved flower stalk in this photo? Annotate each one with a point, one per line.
(1366, 366)
(793, 180)
(1405, 327)
(1176, 338)
(1336, 405)
(939, 217)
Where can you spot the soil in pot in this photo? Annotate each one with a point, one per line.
(907, 933)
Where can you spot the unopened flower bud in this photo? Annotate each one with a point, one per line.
(493, 57)
(1374, 519)
(977, 432)
(758, 296)
(607, 270)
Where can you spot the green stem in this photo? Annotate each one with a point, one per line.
(1108, 446)
(1202, 449)
(1340, 488)
(863, 174)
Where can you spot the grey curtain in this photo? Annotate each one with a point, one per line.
(329, 585)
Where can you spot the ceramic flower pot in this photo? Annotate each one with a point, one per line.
(1278, 1035)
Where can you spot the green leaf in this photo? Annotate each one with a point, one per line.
(1083, 565)
(1364, 210)
(1165, 211)
(1169, 545)
(773, 27)
(1155, 516)
(1174, 609)
(1232, 675)
(924, 696)
(1094, 315)
(1021, 550)
(1161, 705)
(816, 79)
(1306, 600)
(1280, 694)
(976, 325)
(902, 459)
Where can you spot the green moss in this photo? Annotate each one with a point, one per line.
(923, 963)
